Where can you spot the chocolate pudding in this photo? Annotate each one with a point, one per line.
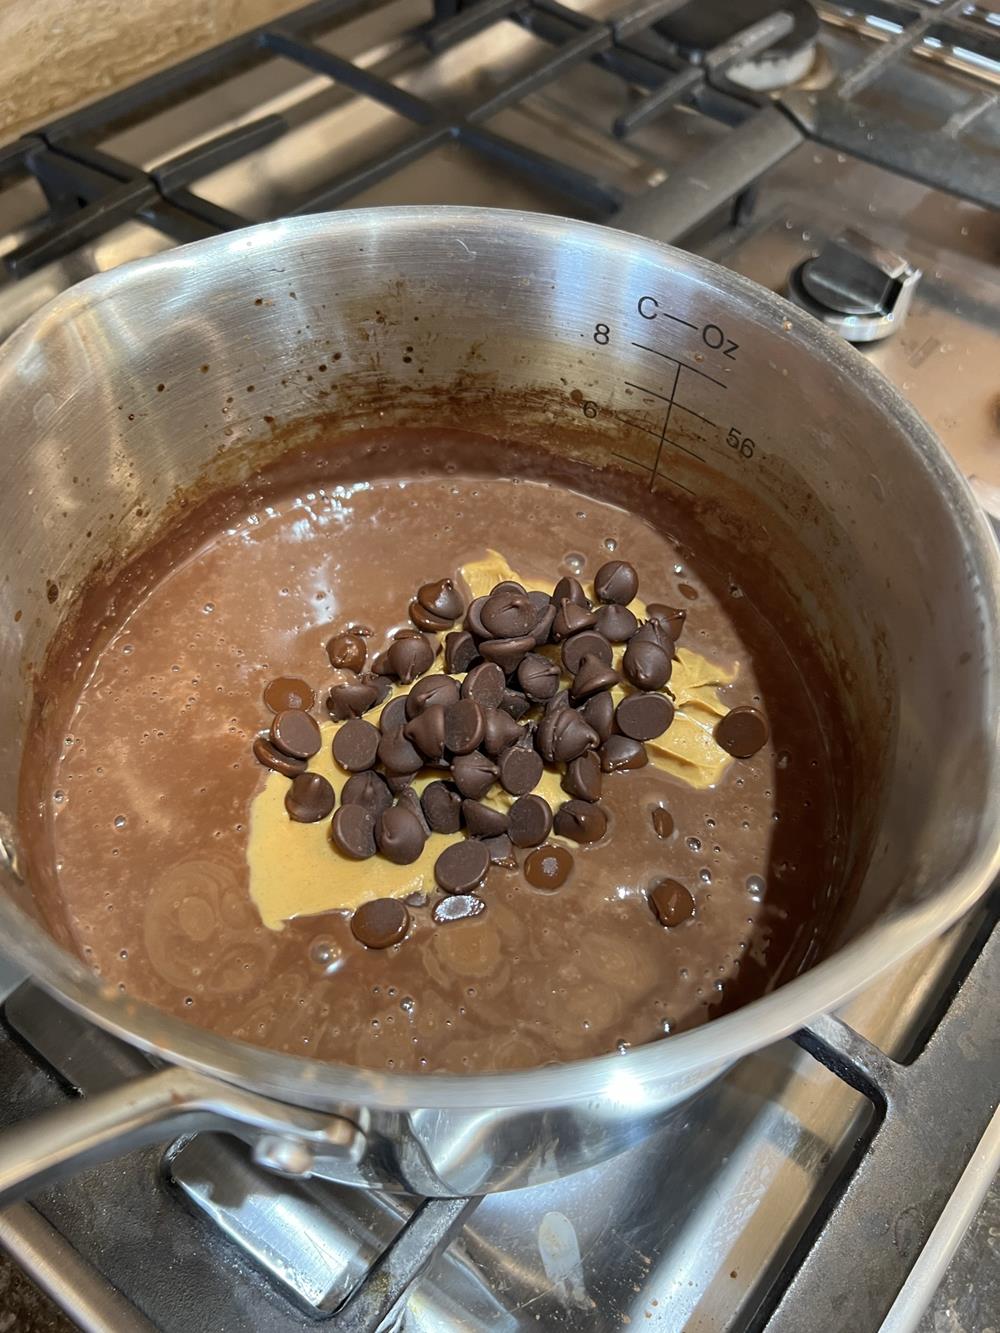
(188, 827)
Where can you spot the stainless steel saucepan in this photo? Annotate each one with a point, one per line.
(789, 440)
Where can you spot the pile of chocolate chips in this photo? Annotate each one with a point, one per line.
(501, 724)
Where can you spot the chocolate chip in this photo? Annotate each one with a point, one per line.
(520, 770)
(460, 651)
(482, 821)
(578, 646)
(571, 619)
(472, 621)
(500, 731)
(393, 715)
(542, 628)
(473, 774)
(672, 618)
(408, 632)
(507, 653)
(646, 665)
(309, 798)
(580, 821)
(380, 665)
(347, 652)
(652, 631)
(643, 716)
(442, 599)
(409, 800)
(366, 631)
(548, 867)
(563, 736)
(426, 620)
(464, 726)
(622, 752)
(430, 690)
(507, 614)
(663, 822)
(569, 589)
(296, 733)
(380, 923)
(288, 692)
(514, 703)
(616, 582)
(350, 700)
(271, 757)
(671, 902)
(368, 790)
(501, 851)
(559, 700)
(742, 732)
(484, 683)
(378, 683)
(616, 623)
(399, 835)
(530, 821)
(355, 745)
(442, 807)
(538, 676)
(352, 831)
(599, 713)
(591, 678)
(410, 658)
(398, 754)
(582, 778)
(457, 907)
(426, 731)
(462, 867)
(398, 782)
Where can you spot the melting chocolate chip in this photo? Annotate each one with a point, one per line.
(507, 614)
(591, 678)
(426, 731)
(350, 700)
(378, 683)
(670, 617)
(296, 733)
(408, 632)
(309, 798)
(393, 715)
(442, 807)
(616, 582)
(399, 835)
(663, 822)
(671, 902)
(501, 851)
(530, 821)
(578, 646)
(462, 867)
(473, 774)
(347, 652)
(430, 690)
(514, 703)
(484, 683)
(582, 778)
(472, 621)
(622, 752)
(500, 731)
(380, 665)
(580, 821)
(464, 726)
(380, 923)
(288, 692)
(548, 867)
(616, 623)
(538, 676)
(643, 716)
(742, 732)
(646, 665)
(271, 757)
(460, 651)
(482, 821)
(426, 620)
(571, 619)
(441, 598)
(457, 907)
(368, 790)
(410, 658)
(398, 755)
(563, 735)
(507, 653)
(569, 589)
(520, 770)
(352, 832)
(599, 713)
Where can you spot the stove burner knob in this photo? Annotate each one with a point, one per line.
(855, 287)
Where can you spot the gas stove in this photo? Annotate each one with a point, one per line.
(849, 158)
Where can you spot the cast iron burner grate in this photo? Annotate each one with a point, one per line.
(89, 191)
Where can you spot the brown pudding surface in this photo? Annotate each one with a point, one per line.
(138, 818)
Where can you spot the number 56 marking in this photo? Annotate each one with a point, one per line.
(741, 443)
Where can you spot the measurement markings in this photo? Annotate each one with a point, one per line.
(652, 392)
(663, 314)
(680, 364)
(691, 412)
(674, 482)
(666, 423)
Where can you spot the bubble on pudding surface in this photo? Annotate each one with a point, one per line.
(756, 887)
(575, 562)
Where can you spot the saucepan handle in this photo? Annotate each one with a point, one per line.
(161, 1106)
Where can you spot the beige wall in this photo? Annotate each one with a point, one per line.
(57, 54)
